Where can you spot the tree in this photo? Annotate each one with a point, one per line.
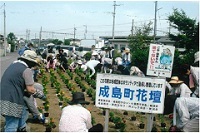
(188, 31)
(11, 38)
(67, 42)
(57, 42)
(139, 46)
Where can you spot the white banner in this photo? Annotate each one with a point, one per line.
(160, 62)
(131, 93)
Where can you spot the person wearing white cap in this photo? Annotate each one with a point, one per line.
(136, 71)
(179, 88)
(17, 78)
(75, 64)
(91, 64)
(194, 69)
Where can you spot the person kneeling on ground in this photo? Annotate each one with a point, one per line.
(76, 118)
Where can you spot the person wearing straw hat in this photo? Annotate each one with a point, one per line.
(76, 118)
(17, 78)
(179, 88)
(126, 58)
(194, 69)
(185, 113)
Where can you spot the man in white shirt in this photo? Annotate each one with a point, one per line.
(76, 118)
(91, 64)
(194, 69)
(185, 112)
(178, 87)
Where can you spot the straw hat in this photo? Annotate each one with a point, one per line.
(175, 80)
(196, 57)
(78, 98)
(127, 50)
(30, 56)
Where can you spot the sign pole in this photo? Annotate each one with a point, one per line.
(106, 121)
(149, 122)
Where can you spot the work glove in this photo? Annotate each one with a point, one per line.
(39, 94)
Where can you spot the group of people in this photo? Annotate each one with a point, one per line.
(182, 99)
(19, 90)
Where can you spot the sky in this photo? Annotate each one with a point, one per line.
(91, 19)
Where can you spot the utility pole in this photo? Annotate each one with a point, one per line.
(132, 27)
(113, 29)
(169, 27)
(85, 31)
(40, 36)
(74, 35)
(155, 21)
(5, 41)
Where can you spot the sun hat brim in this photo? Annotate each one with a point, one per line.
(78, 102)
(175, 82)
(29, 59)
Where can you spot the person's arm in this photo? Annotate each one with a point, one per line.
(89, 121)
(185, 91)
(31, 106)
(183, 112)
(29, 81)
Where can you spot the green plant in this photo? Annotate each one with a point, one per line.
(40, 109)
(89, 92)
(111, 114)
(51, 124)
(93, 120)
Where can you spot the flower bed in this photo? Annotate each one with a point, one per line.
(59, 87)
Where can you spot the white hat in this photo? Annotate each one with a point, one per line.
(79, 62)
(94, 53)
(196, 57)
(134, 70)
(30, 56)
(84, 67)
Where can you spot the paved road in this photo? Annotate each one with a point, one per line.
(7, 60)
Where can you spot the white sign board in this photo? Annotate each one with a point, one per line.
(160, 62)
(131, 93)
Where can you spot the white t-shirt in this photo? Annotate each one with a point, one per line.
(183, 90)
(92, 64)
(75, 118)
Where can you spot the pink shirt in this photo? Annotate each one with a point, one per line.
(75, 118)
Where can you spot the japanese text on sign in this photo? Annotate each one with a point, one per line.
(130, 93)
(160, 60)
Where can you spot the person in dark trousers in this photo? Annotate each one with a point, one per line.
(62, 59)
